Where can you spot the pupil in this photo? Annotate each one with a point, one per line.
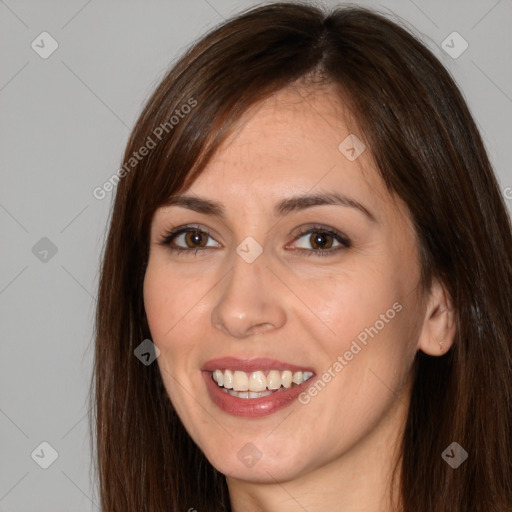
(320, 239)
(196, 238)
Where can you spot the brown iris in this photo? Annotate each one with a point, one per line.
(320, 239)
(196, 237)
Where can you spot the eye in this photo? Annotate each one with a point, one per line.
(322, 240)
(186, 239)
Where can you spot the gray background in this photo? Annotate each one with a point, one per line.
(63, 125)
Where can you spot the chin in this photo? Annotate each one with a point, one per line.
(254, 465)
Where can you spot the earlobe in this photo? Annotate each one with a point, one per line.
(439, 325)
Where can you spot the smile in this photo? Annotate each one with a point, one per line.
(255, 387)
(259, 383)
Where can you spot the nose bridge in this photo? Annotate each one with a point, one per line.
(246, 304)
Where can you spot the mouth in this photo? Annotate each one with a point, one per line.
(256, 387)
(259, 383)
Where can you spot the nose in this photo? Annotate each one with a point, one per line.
(249, 300)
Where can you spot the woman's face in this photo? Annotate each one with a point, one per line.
(249, 296)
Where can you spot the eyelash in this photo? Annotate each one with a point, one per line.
(344, 241)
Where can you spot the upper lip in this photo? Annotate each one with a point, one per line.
(251, 365)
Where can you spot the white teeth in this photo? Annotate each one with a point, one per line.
(273, 379)
(218, 377)
(228, 379)
(240, 381)
(257, 395)
(286, 378)
(256, 384)
(257, 381)
(246, 394)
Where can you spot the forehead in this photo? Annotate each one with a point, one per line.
(296, 141)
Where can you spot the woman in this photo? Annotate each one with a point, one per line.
(304, 301)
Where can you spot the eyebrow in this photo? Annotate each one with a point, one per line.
(295, 203)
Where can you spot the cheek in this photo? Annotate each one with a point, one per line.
(165, 303)
(350, 304)
(363, 381)
(166, 300)
(172, 304)
(370, 345)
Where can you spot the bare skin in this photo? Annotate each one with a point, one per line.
(335, 450)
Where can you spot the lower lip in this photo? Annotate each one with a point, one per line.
(252, 407)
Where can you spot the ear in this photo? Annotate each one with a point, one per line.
(439, 329)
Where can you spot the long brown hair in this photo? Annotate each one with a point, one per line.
(429, 153)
